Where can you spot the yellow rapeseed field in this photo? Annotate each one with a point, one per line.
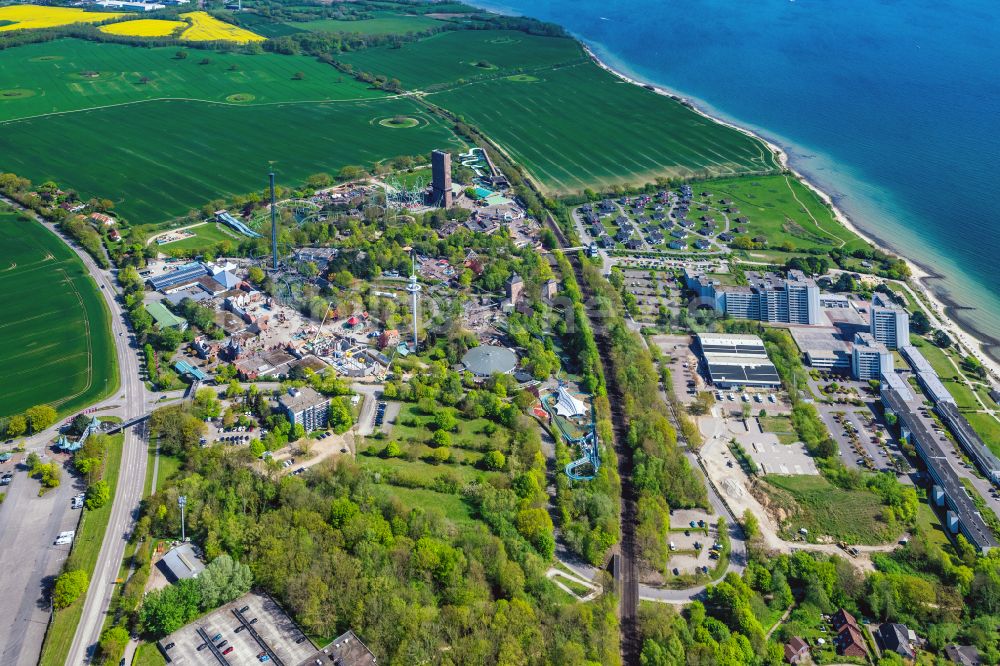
(26, 17)
(207, 28)
(143, 28)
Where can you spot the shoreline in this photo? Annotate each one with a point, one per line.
(973, 341)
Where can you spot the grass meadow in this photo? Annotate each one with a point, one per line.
(987, 426)
(205, 237)
(781, 208)
(578, 126)
(816, 504)
(70, 75)
(181, 154)
(55, 337)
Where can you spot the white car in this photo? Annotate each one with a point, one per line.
(65, 538)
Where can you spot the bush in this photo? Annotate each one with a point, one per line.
(98, 494)
(69, 587)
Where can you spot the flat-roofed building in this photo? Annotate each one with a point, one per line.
(737, 360)
(890, 323)
(794, 299)
(869, 358)
(307, 407)
(164, 318)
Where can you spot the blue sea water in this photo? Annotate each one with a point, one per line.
(891, 106)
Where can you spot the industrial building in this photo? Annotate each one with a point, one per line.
(180, 563)
(164, 318)
(890, 323)
(794, 299)
(947, 491)
(737, 360)
(869, 358)
(307, 407)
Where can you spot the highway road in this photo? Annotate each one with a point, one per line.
(38, 522)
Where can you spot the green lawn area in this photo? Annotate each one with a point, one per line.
(147, 654)
(781, 208)
(384, 23)
(928, 522)
(988, 428)
(86, 547)
(422, 474)
(964, 396)
(55, 338)
(937, 357)
(469, 434)
(453, 507)
(206, 237)
(578, 126)
(781, 426)
(184, 163)
(814, 503)
(449, 57)
(114, 72)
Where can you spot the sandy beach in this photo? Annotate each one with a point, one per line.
(934, 304)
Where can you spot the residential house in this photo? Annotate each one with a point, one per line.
(964, 655)
(796, 650)
(850, 640)
(895, 637)
(676, 245)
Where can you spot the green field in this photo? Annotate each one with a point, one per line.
(780, 425)
(55, 337)
(937, 357)
(781, 208)
(579, 127)
(449, 57)
(814, 503)
(206, 236)
(86, 548)
(384, 23)
(147, 654)
(988, 428)
(58, 85)
(188, 153)
(964, 396)
(452, 507)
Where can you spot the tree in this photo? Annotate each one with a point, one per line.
(441, 438)
(40, 417)
(257, 448)
(919, 322)
(441, 455)
(750, 525)
(223, 580)
(98, 494)
(494, 460)
(535, 525)
(69, 587)
(256, 275)
(17, 426)
(341, 418)
(206, 404)
(167, 610)
(941, 339)
(181, 55)
(113, 642)
(392, 450)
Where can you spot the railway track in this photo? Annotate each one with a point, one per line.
(626, 571)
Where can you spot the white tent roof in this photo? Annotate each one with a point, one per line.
(569, 405)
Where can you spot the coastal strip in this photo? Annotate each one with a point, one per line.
(937, 306)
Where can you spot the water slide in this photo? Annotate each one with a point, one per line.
(224, 217)
(590, 452)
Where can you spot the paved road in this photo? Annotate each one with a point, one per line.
(134, 401)
(29, 561)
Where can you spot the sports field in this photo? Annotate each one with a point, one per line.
(205, 237)
(30, 17)
(384, 23)
(448, 57)
(188, 153)
(70, 74)
(55, 337)
(579, 126)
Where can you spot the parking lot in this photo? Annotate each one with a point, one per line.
(29, 558)
(254, 626)
(692, 548)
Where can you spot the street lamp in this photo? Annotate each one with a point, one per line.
(182, 502)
